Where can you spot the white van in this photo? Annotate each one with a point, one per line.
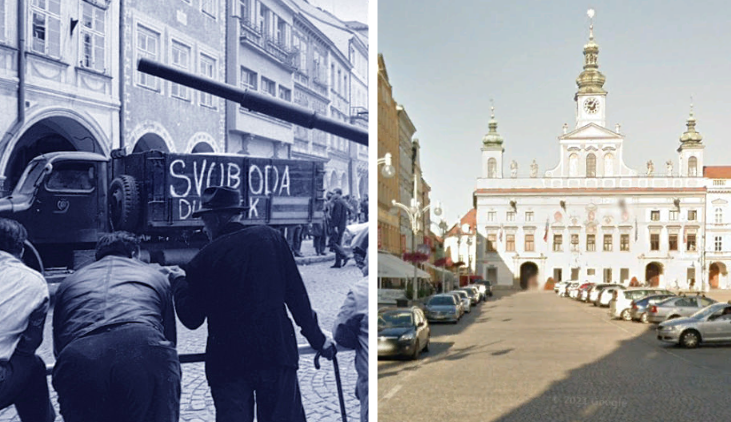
(621, 303)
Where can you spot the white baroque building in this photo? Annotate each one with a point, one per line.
(591, 217)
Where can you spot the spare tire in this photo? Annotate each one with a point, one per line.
(124, 203)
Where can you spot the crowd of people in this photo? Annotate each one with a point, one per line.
(114, 325)
(340, 212)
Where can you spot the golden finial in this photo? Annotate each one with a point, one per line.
(691, 106)
(492, 109)
(591, 13)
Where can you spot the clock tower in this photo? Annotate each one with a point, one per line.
(591, 96)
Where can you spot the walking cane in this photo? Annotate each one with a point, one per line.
(337, 381)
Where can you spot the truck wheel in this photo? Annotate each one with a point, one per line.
(124, 203)
(32, 258)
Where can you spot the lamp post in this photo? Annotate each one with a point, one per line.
(388, 171)
(414, 211)
(443, 228)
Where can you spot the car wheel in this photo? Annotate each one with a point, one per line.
(625, 315)
(643, 318)
(690, 339)
(417, 350)
(673, 317)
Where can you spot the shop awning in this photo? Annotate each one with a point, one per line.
(390, 266)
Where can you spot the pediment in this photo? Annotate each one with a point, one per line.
(719, 201)
(591, 131)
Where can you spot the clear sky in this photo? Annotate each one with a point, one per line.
(446, 60)
(346, 10)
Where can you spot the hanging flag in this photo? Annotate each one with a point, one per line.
(637, 232)
(685, 235)
(545, 235)
(500, 236)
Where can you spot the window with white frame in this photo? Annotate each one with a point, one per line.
(285, 93)
(207, 69)
(510, 216)
(249, 79)
(209, 7)
(491, 215)
(281, 32)
(268, 86)
(45, 25)
(148, 46)
(529, 216)
(92, 37)
(674, 215)
(719, 215)
(718, 244)
(180, 57)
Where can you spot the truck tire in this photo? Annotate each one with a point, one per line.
(124, 203)
(32, 258)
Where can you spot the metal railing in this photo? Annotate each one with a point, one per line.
(303, 349)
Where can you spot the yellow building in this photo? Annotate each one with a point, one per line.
(388, 142)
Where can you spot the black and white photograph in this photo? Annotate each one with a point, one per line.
(184, 210)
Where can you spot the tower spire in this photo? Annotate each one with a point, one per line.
(492, 137)
(591, 81)
(691, 136)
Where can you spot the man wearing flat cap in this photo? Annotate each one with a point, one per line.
(240, 282)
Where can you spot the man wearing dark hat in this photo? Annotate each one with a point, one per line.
(338, 222)
(240, 282)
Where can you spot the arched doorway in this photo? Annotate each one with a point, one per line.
(528, 276)
(202, 148)
(151, 141)
(717, 274)
(50, 134)
(653, 272)
(333, 181)
(363, 186)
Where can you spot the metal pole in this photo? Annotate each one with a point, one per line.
(413, 251)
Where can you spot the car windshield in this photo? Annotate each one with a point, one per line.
(461, 294)
(441, 301)
(708, 310)
(27, 183)
(395, 319)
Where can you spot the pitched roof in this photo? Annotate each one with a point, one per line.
(469, 218)
(717, 172)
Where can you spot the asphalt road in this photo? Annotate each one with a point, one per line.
(531, 356)
(327, 289)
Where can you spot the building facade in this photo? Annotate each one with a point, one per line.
(159, 114)
(59, 80)
(389, 231)
(717, 250)
(591, 217)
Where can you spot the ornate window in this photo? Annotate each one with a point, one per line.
(692, 167)
(719, 216)
(492, 168)
(92, 37)
(574, 165)
(591, 165)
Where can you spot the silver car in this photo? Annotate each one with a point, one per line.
(474, 294)
(676, 307)
(460, 302)
(443, 307)
(466, 300)
(708, 325)
(640, 306)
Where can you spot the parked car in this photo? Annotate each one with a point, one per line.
(488, 287)
(460, 303)
(571, 290)
(707, 325)
(560, 285)
(595, 290)
(583, 293)
(403, 332)
(607, 294)
(482, 290)
(473, 293)
(638, 310)
(621, 302)
(676, 307)
(466, 300)
(564, 289)
(574, 292)
(443, 308)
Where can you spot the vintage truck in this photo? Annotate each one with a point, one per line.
(67, 199)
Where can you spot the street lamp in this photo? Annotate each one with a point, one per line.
(388, 171)
(415, 212)
(443, 228)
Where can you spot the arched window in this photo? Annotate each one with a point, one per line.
(692, 167)
(574, 165)
(719, 216)
(492, 168)
(591, 165)
(609, 165)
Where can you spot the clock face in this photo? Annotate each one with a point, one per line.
(591, 105)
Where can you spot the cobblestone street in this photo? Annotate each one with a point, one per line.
(532, 356)
(327, 289)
